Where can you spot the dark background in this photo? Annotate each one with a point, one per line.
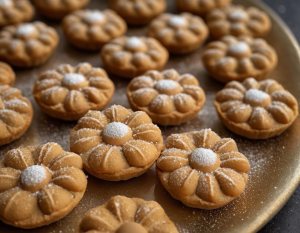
(288, 218)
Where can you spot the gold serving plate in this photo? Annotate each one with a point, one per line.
(275, 165)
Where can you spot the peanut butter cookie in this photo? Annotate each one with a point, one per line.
(202, 170)
(39, 185)
(138, 12)
(127, 215)
(7, 75)
(234, 58)
(256, 110)
(180, 34)
(27, 45)
(116, 144)
(15, 114)
(91, 29)
(129, 57)
(69, 92)
(167, 97)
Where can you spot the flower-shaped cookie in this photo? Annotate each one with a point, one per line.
(116, 144)
(15, 11)
(200, 7)
(57, 9)
(236, 20)
(167, 97)
(91, 29)
(27, 45)
(39, 185)
(7, 75)
(138, 12)
(202, 170)
(239, 58)
(129, 57)
(256, 110)
(127, 215)
(69, 92)
(15, 114)
(180, 34)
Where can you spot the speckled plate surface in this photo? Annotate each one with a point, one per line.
(275, 165)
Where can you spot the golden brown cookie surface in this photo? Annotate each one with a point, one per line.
(237, 20)
(57, 9)
(15, 114)
(91, 29)
(138, 12)
(127, 215)
(27, 45)
(7, 75)
(167, 97)
(256, 110)
(116, 144)
(202, 170)
(69, 92)
(237, 58)
(39, 185)
(129, 57)
(15, 11)
(180, 34)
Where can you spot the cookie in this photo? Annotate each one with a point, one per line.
(27, 45)
(167, 97)
(91, 29)
(200, 7)
(116, 144)
(15, 114)
(238, 58)
(69, 92)
(138, 12)
(256, 110)
(202, 170)
(180, 34)
(7, 75)
(39, 185)
(127, 215)
(15, 11)
(237, 20)
(57, 9)
(129, 57)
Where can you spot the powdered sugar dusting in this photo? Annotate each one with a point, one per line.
(238, 15)
(134, 42)
(203, 157)
(5, 3)
(177, 21)
(94, 17)
(256, 96)
(166, 85)
(239, 48)
(33, 175)
(116, 130)
(25, 30)
(72, 79)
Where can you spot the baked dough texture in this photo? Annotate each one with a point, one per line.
(129, 57)
(200, 7)
(27, 45)
(15, 11)
(91, 29)
(127, 215)
(202, 170)
(69, 92)
(39, 185)
(116, 144)
(7, 75)
(256, 110)
(15, 114)
(167, 97)
(138, 12)
(237, 58)
(57, 9)
(179, 34)
(237, 20)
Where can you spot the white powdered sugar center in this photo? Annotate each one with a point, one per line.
(239, 48)
(25, 29)
(134, 42)
(72, 79)
(203, 157)
(238, 15)
(5, 3)
(116, 130)
(177, 21)
(166, 85)
(33, 175)
(94, 17)
(256, 96)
